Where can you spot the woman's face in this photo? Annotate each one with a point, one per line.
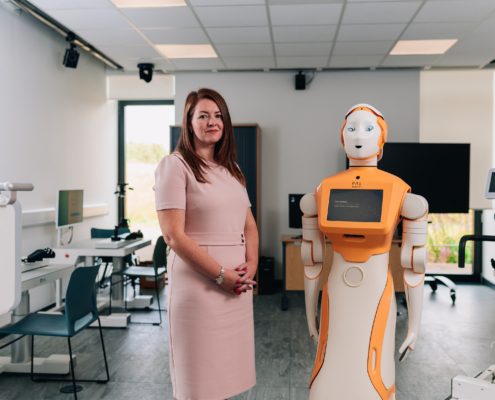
(207, 123)
(361, 135)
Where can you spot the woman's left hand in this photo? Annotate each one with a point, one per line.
(248, 271)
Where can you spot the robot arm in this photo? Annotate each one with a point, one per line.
(414, 257)
(313, 254)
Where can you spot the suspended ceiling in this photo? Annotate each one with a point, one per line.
(281, 34)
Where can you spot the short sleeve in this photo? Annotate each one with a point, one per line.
(170, 184)
(247, 197)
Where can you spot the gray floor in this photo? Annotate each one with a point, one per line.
(454, 340)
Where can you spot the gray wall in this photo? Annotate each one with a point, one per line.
(57, 129)
(300, 130)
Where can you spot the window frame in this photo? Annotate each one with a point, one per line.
(121, 143)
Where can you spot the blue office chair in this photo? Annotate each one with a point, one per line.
(106, 234)
(159, 268)
(80, 312)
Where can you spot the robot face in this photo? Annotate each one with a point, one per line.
(361, 135)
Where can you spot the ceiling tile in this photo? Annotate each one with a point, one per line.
(355, 61)
(370, 32)
(276, 2)
(374, 13)
(196, 3)
(362, 48)
(303, 49)
(245, 50)
(161, 17)
(484, 30)
(462, 60)
(301, 62)
(410, 61)
(73, 4)
(455, 11)
(305, 14)
(249, 62)
(475, 46)
(176, 35)
(159, 63)
(294, 34)
(198, 63)
(90, 19)
(105, 37)
(232, 16)
(441, 30)
(130, 51)
(258, 34)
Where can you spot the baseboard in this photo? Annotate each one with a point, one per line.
(488, 283)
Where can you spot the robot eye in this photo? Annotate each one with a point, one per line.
(369, 128)
(350, 128)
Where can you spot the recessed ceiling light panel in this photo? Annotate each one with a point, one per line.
(187, 50)
(409, 47)
(148, 3)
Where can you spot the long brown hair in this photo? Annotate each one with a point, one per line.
(225, 152)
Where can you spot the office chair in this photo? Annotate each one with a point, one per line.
(80, 312)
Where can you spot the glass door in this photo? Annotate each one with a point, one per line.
(144, 139)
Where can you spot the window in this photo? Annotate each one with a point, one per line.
(144, 139)
(444, 234)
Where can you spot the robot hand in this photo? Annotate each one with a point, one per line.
(405, 349)
(311, 290)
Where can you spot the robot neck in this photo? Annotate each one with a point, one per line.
(372, 162)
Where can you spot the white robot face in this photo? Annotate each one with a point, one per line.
(361, 135)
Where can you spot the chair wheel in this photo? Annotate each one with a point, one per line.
(452, 296)
(70, 389)
(434, 286)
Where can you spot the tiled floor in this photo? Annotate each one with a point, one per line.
(454, 340)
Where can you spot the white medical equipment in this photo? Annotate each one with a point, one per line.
(10, 244)
(16, 280)
(481, 386)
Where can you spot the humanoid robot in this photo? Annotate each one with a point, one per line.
(358, 210)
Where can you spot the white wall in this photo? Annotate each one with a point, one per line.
(58, 130)
(300, 130)
(457, 107)
(130, 87)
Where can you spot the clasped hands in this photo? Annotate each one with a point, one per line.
(240, 280)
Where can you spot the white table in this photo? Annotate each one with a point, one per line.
(85, 251)
(20, 360)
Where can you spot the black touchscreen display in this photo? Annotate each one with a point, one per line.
(355, 205)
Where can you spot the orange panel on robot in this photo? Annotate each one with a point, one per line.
(359, 209)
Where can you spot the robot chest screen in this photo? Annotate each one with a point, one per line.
(352, 205)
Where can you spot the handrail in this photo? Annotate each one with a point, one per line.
(474, 238)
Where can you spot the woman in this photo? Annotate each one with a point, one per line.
(205, 217)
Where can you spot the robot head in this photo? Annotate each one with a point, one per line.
(364, 132)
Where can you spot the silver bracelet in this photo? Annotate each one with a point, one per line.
(219, 280)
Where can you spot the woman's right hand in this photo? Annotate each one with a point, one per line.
(230, 279)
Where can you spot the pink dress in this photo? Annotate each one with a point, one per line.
(211, 330)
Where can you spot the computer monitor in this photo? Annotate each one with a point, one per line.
(437, 171)
(295, 213)
(69, 210)
(490, 184)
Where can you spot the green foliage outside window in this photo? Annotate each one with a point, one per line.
(145, 153)
(444, 234)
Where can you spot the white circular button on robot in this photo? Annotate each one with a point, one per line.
(354, 276)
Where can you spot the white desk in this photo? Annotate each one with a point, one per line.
(85, 251)
(20, 360)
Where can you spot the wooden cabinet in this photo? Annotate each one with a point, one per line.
(295, 268)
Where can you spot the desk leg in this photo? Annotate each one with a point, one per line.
(118, 288)
(21, 350)
(58, 293)
(285, 302)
